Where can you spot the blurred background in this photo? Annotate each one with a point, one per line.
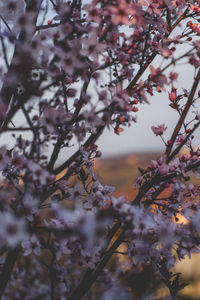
(121, 172)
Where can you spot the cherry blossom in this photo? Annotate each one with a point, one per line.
(158, 130)
(31, 245)
(13, 230)
(121, 13)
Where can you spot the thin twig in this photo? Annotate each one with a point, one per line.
(184, 113)
(4, 52)
(3, 19)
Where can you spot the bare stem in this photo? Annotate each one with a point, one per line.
(183, 115)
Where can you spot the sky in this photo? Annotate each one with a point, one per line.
(139, 137)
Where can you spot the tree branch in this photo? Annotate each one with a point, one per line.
(184, 113)
(7, 268)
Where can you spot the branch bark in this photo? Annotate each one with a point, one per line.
(7, 269)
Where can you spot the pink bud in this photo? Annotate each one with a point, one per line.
(173, 95)
(189, 23)
(98, 154)
(134, 109)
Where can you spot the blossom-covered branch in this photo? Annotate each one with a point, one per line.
(69, 70)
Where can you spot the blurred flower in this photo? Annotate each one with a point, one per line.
(31, 245)
(12, 229)
(121, 13)
(11, 9)
(75, 192)
(173, 95)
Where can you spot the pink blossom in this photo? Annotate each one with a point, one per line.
(121, 13)
(158, 130)
(94, 13)
(12, 229)
(181, 138)
(31, 245)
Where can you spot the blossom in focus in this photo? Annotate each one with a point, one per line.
(158, 130)
(173, 95)
(181, 138)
